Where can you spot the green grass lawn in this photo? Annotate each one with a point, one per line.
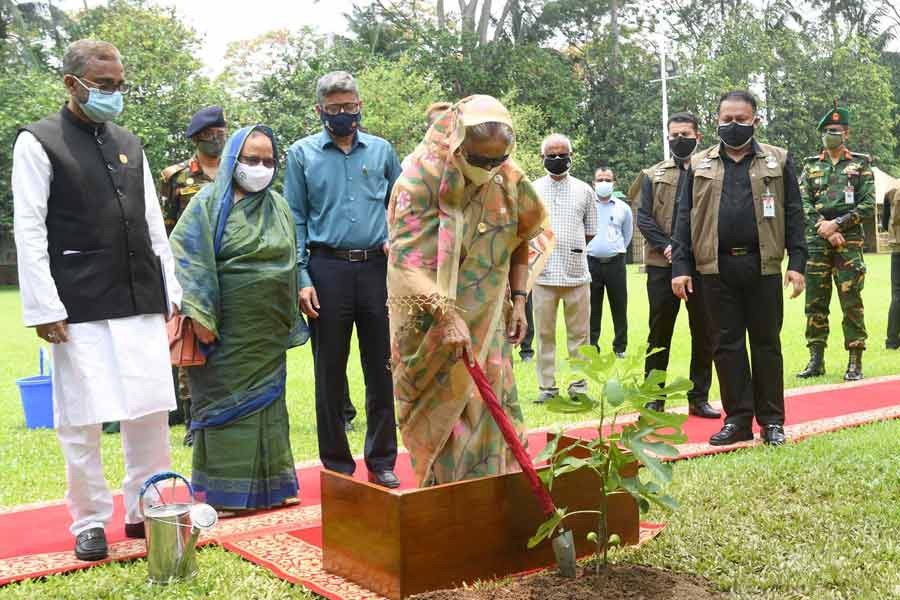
(804, 543)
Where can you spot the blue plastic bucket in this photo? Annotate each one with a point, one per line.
(37, 398)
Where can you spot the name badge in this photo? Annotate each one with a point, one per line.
(768, 202)
(848, 195)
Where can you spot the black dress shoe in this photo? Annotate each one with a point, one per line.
(656, 405)
(773, 435)
(731, 434)
(90, 545)
(704, 410)
(135, 530)
(384, 478)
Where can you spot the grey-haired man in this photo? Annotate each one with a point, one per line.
(338, 183)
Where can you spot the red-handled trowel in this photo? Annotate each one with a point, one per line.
(563, 542)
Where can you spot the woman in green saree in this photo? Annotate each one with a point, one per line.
(236, 259)
(466, 229)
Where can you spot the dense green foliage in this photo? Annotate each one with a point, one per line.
(586, 68)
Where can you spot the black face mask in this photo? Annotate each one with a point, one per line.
(735, 135)
(682, 147)
(342, 124)
(558, 163)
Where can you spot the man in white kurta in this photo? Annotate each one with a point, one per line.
(115, 369)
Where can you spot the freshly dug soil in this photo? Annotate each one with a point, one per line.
(617, 582)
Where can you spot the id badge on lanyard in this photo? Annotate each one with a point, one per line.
(768, 204)
(848, 195)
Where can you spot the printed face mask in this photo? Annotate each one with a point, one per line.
(253, 178)
(476, 175)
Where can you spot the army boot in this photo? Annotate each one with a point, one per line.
(816, 365)
(854, 365)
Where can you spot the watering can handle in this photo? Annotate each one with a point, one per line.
(153, 480)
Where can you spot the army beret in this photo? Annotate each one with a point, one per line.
(211, 116)
(836, 116)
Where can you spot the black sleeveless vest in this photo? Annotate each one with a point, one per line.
(101, 257)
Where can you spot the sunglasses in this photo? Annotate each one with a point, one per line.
(557, 156)
(485, 162)
(252, 161)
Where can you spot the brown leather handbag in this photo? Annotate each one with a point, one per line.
(184, 347)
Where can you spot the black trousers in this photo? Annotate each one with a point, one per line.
(611, 278)
(664, 306)
(893, 328)
(526, 348)
(352, 293)
(742, 304)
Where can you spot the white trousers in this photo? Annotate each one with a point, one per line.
(145, 442)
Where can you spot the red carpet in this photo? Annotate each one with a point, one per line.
(292, 534)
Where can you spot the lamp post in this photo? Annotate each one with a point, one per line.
(664, 77)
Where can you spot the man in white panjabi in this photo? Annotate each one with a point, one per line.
(97, 279)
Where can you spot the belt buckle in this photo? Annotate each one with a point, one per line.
(356, 255)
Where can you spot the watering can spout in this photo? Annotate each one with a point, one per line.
(203, 517)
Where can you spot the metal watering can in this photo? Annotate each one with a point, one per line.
(172, 529)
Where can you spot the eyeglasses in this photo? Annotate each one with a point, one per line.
(107, 89)
(252, 161)
(485, 162)
(557, 156)
(351, 108)
(211, 136)
(835, 131)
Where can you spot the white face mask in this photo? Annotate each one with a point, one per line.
(253, 179)
(604, 189)
(476, 175)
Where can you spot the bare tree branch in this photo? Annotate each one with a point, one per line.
(484, 22)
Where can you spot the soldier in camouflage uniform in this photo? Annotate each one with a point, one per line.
(178, 184)
(838, 194)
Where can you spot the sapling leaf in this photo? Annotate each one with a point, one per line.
(592, 537)
(549, 450)
(578, 404)
(547, 527)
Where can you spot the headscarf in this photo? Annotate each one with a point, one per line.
(435, 165)
(197, 238)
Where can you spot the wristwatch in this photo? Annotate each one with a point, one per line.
(515, 293)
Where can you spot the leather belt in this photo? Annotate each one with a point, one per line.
(349, 255)
(606, 259)
(740, 251)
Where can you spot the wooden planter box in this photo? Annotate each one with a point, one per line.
(400, 543)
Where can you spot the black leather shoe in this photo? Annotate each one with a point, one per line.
(731, 434)
(773, 435)
(90, 545)
(704, 410)
(135, 530)
(657, 405)
(384, 478)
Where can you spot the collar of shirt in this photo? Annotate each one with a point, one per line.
(823, 156)
(723, 154)
(325, 140)
(194, 165)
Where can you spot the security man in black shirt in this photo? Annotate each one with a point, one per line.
(658, 188)
(738, 214)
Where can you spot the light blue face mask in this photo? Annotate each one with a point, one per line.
(101, 106)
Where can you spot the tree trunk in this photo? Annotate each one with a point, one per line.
(507, 6)
(441, 15)
(484, 22)
(614, 27)
(467, 15)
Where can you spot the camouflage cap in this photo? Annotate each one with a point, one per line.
(839, 115)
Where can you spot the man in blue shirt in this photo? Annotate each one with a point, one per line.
(338, 182)
(606, 259)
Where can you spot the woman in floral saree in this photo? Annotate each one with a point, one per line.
(460, 220)
(236, 258)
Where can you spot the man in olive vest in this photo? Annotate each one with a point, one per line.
(890, 222)
(838, 191)
(739, 211)
(97, 279)
(656, 190)
(179, 183)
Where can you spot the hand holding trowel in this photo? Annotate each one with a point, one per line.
(563, 542)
